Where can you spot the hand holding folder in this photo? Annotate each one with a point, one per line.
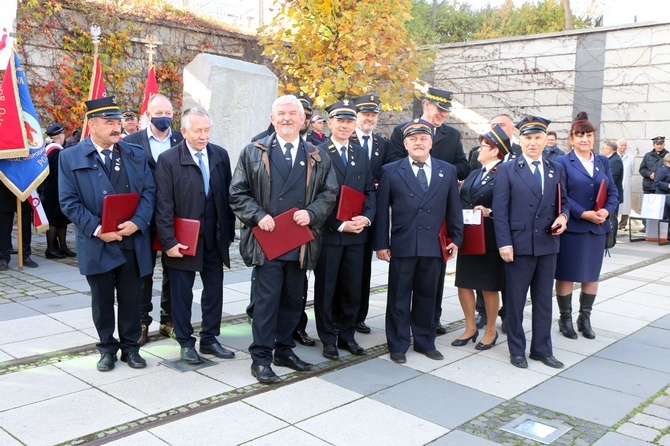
(601, 198)
(474, 241)
(350, 205)
(116, 209)
(444, 242)
(187, 232)
(286, 235)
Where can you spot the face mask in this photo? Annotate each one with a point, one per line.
(162, 123)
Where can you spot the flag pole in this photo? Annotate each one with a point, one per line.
(95, 38)
(19, 232)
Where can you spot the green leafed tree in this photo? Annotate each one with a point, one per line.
(332, 49)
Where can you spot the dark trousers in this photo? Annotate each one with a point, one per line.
(439, 292)
(365, 281)
(146, 305)
(211, 302)
(536, 273)
(277, 288)
(413, 284)
(6, 227)
(337, 291)
(125, 279)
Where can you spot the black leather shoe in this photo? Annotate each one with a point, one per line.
(68, 252)
(264, 374)
(293, 362)
(217, 350)
(549, 361)
(144, 335)
(3, 265)
(481, 319)
(29, 263)
(432, 354)
(51, 254)
(106, 362)
(13, 251)
(134, 360)
(462, 342)
(398, 358)
(439, 329)
(303, 338)
(482, 346)
(352, 347)
(362, 327)
(190, 356)
(330, 352)
(503, 325)
(519, 361)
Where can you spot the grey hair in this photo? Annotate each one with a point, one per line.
(287, 99)
(611, 144)
(186, 116)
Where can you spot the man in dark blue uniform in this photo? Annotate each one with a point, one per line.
(527, 223)
(422, 193)
(117, 260)
(338, 274)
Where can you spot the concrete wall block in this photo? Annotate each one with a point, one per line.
(533, 47)
(468, 53)
(537, 81)
(560, 62)
(660, 35)
(628, 38)
(660, 54)
(628, 57)
(625, 93)
(649, 74)
(633, 111)
(480, 84)
(659, 92)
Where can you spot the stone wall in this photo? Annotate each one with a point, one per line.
(619, 75)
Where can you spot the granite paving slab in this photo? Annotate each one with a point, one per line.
(48, 344)
(616, 439)
(15, 310)
(460, 438)
(370, 376)
(288, 436)
(654, 336)
(437, 400)
(143, 438)
(60, 303)
(585, 401)
(663, 322)
(634, 353)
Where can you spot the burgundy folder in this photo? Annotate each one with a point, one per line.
(116, 209)
(601, 199)
(287, 235)
(351, 204)
(559, 208)
(474, 241)
(444, 241)
(186, 231)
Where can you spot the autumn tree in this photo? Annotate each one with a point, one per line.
(344, 48)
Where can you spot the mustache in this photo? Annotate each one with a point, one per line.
(115, 134)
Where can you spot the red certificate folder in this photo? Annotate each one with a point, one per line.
(474, 241)
(287, 235)
(116, 209)
(351, 204)
(601, 199)
(444, 241)
(559, 209)
(186, 231)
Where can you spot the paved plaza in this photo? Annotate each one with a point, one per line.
(613, 390)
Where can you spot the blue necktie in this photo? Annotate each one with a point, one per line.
(366, 145)
(108, 160)
(343, 151)
(538, 175)
(481, 175)
(421, 175)
(287, 154)
(205, 172)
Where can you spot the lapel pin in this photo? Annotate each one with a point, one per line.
(441, 174)
(353, 163)
(597, 169)
(302, 163)
(376, 153)
(550, 175)
(117, 168)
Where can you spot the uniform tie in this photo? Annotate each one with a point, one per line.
(538, 175)
(343, 151)
(108, 160)
(287, 154)
(205, 172)
(421, 175)
(481, 175)
(366, 145)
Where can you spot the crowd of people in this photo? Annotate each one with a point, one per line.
(519, 218)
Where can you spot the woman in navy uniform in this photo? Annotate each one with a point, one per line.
(583, 243)
(486, 271)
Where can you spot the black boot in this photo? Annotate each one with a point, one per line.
(565, 322)
(52, 251)
(584, 320)
(61, 232)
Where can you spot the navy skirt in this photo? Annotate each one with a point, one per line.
(581, 257)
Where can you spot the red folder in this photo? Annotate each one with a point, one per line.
(559, 209)
(287, 235)
(601, 199)
(444, 241)
(474, 241)
(116, 209)
(186, 231)
(351, 204)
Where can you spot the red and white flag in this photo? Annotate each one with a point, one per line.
(13, 137)
(151, 88)
(97, 91)
(40, 217)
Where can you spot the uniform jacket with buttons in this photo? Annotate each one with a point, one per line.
(417, 215)
(83, 184)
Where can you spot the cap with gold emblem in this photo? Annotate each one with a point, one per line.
(533, 124)
(345, 109)
(368, 103)
(304, 100)
(658, 140)
(441, 98)
(103, 108)
(418, 126)
(498, 137)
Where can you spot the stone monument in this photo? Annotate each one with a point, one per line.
(238, 95)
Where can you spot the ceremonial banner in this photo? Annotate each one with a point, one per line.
(97, 91)
(22, 175)
(39, 216)
(7, 18)
(13, 137)
(151, 88)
